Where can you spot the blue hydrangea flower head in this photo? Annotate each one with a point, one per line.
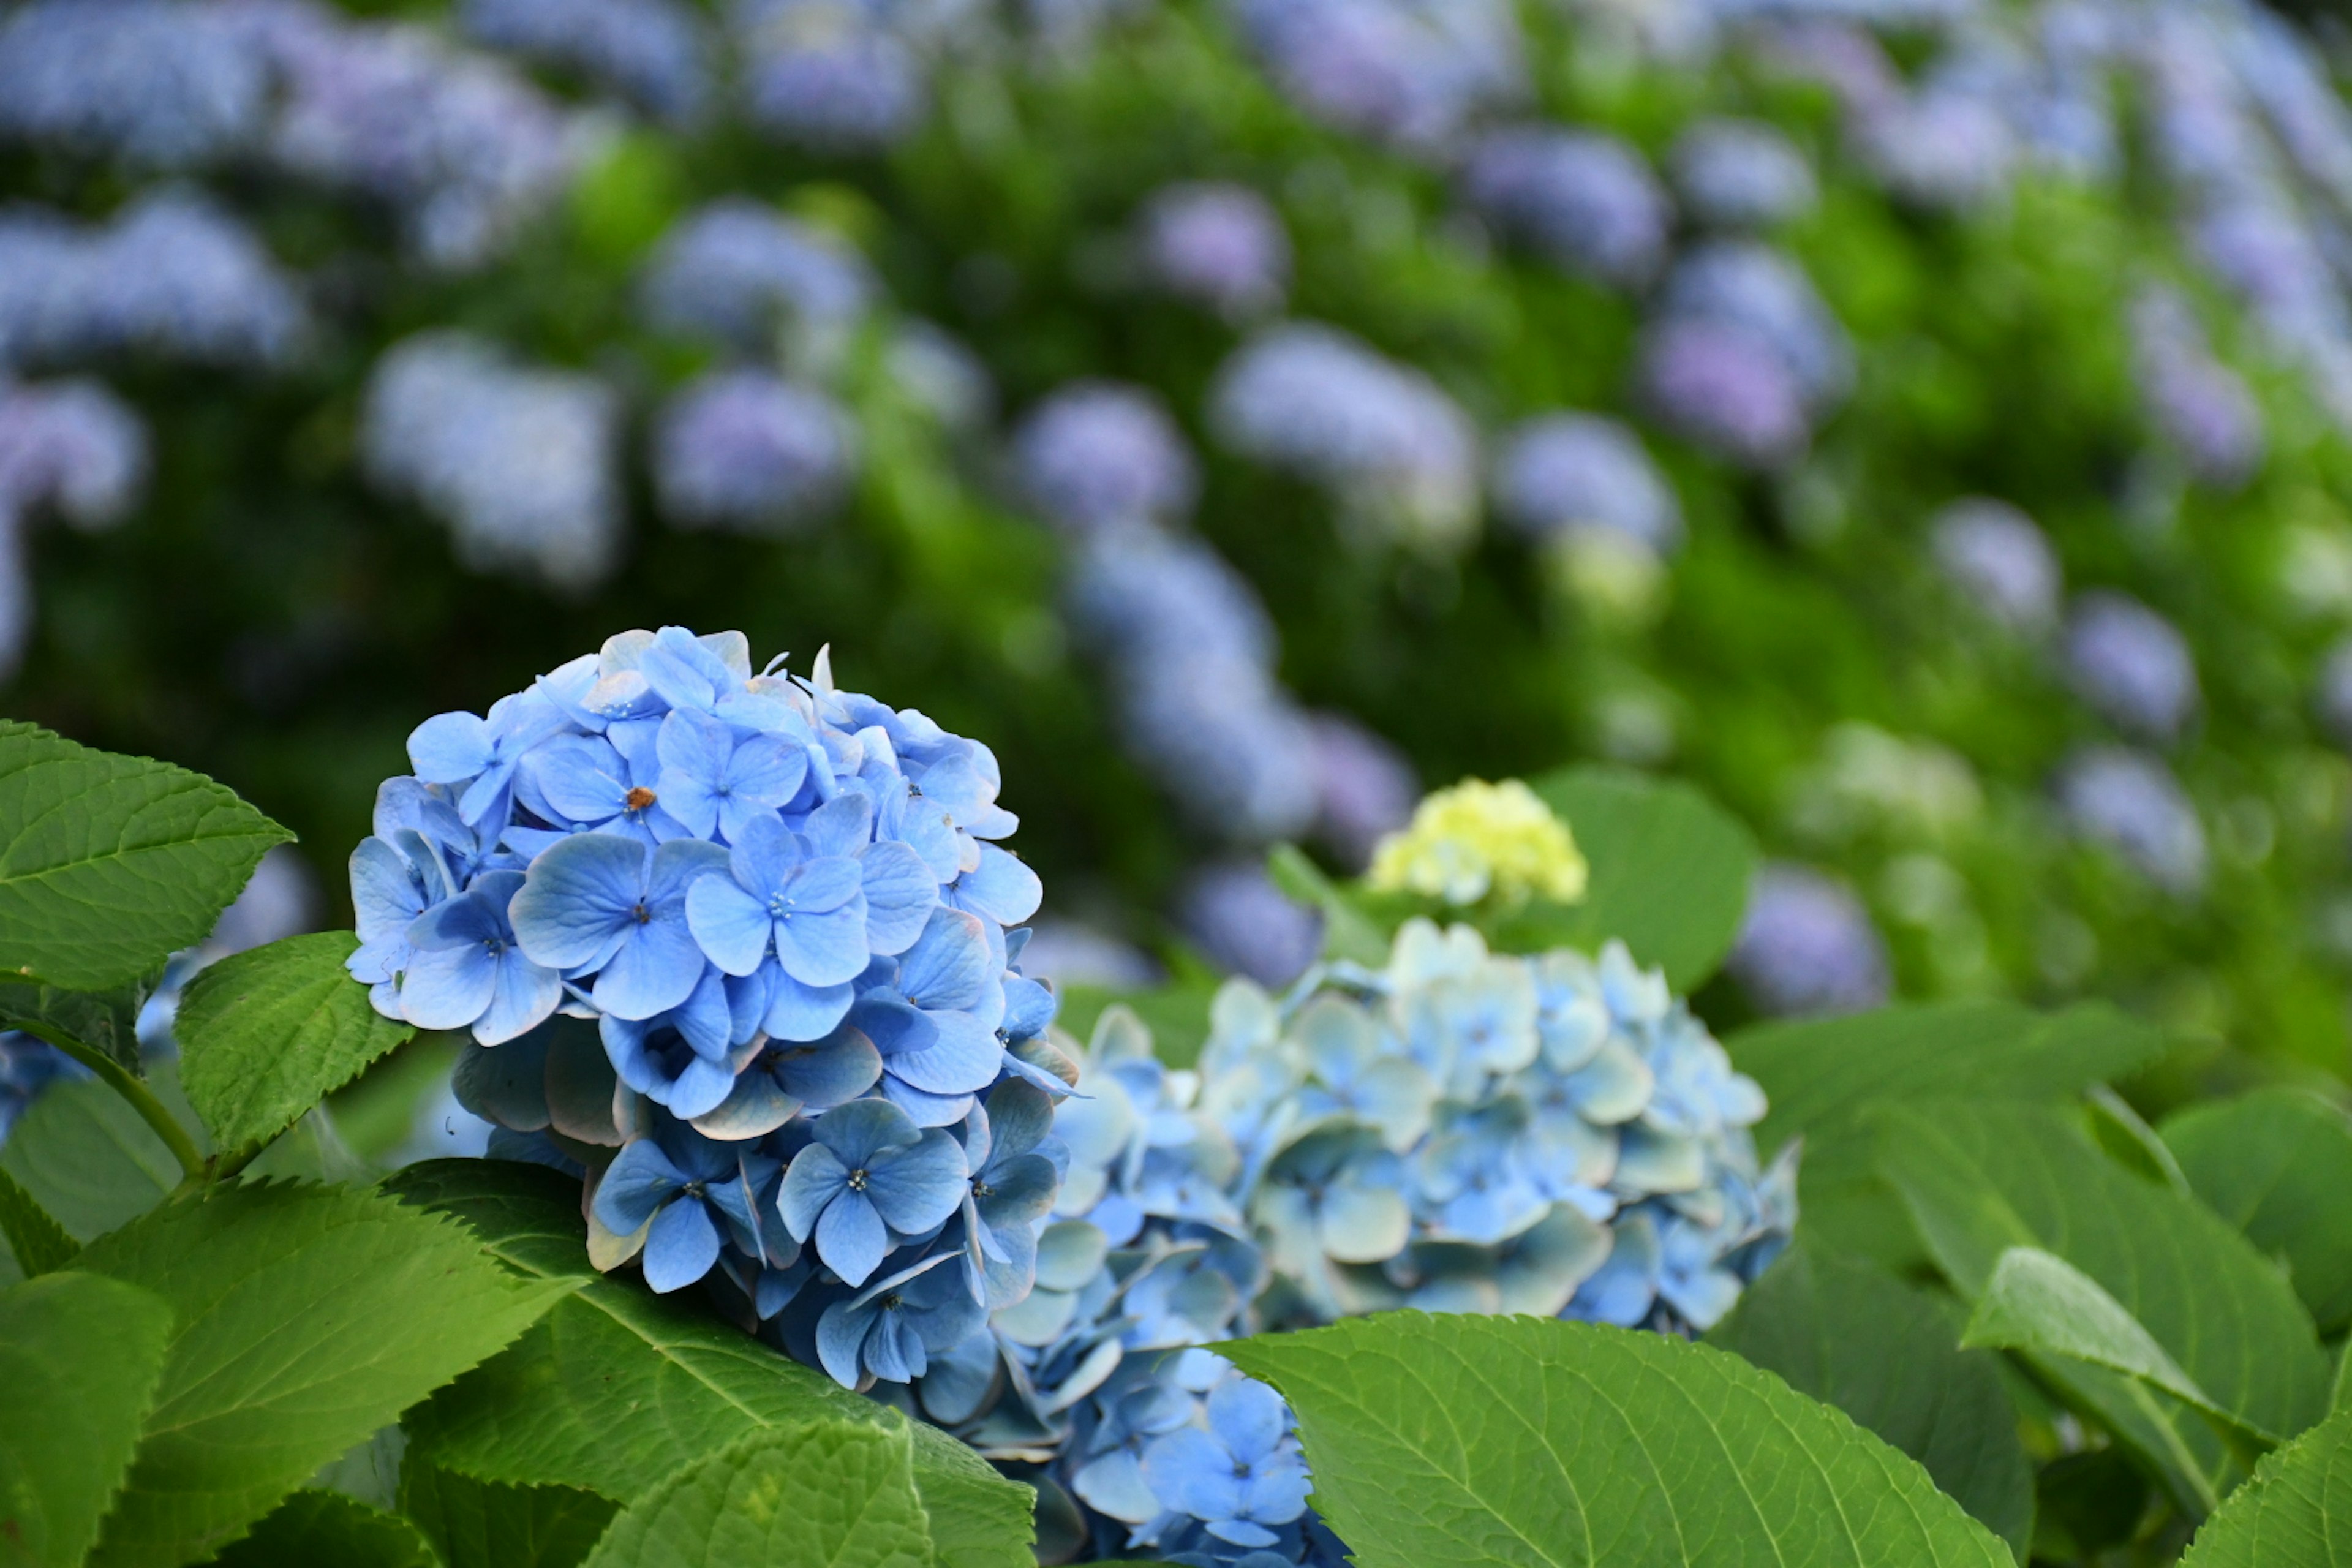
(870, 1173)
(1240, 1471)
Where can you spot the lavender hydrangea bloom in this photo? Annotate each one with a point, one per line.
(829, 74)
(2131, 665)
(1096, 454)
(1741, 175)
(156, 82)
(1723, 388)
(1364, 787)
(2131, 803)
(1216, 243)
(1410, 72)
(1755, 289)
(751, 452)
(1401, 454)
(1807, 945)
(2201, 406)
(1998, 561)
(74, 446)
(521, 462)
(651, 51)
(1247, 926)
(1585, 201)
(2331, 696)
(745, 274)
(1559, 473)
(1943, 147)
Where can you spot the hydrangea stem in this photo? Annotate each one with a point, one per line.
(143, 1099)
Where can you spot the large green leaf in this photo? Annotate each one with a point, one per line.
(87, 1158)
(2278, 1163)
(483, 1524)
(329, 1530)
(2297, 1513)
(1670, 871)
(1886, 1353)
(79, 1359)
(1980, 1178)
(306, 1317)
(836, 1495)
(1820, 1074)
(618, 1388)
(34, 1237)
(1477, 1440)
(110, 864)
(268, 1034)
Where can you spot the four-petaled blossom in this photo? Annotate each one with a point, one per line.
(1012, 1188)
(395, 879)
(1240, 1473)
(783, 895)
(601, 902)
(892, 1329)
(712, 780)
(680, 1190)
(870, 1174)
(467, 970)
(482, 753)
(679, 1058)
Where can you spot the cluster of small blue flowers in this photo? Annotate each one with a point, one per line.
(740, 273)
(70, 446)
(2131, 665)
(750, 931)
(1807, 945)
(653, 53)
(748, 450)
(519, 461)
(1411, 73)
(1099, 455)
(1400, 455)
(172, 275)
(157, 83)
(1741, 175)
(2130, 803)
(2200, 406)
(1583, 201)
(1218, 244)
(1998, 561)
(1742, 357)
(1562, 474)
(837, 76)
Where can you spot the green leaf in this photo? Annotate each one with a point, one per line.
(39, 1242)
(306, 1317)
(1980, 1178)
(110, 864)
(1348, 931)
(482, 1524)
(328, 1528)
(2297, 1511)
(266, 1034)
(79, 1359)
(2045, 1304)
(87, 1158)
(836, 1495)
(618, 1389)
(2278, 1163)
(106, 1021)
(1885, 1354)
(1479, 1440)
(1670, 871)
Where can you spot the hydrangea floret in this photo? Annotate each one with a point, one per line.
(1478, 841)
(741, 952)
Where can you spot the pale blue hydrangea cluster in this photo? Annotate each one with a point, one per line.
(2131, 665)
(1998, 562)
(1218, 244)
(70, 447)
(2129, 803)
(520, 461)
(1740, 175)
(1807, 945)
(739, 943)
(1096, 455)
(655, 53)
(749, 451)
(1584, 200)
(841, 76)
(1562, 474)
(2200, 406)
(1411, 73)
(1742, 356)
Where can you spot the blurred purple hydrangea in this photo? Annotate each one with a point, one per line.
(2200, 406)
(1584, 200)
(519, 461)
(829, 75)
(1807, 945)
(1762, 292)
(2332, 697)
(652, 52)
(1998, 561)
(751, 452)
(1942, 147)
(1364, 788)
(1558, 473)
(1399, 454)
(1408, 72)
(172, 275)
(2131, 803)
(2131, 665)
(1723, 388)
(70, 446)
(746, 275)
(1218, 244)
(1242, 922)
(1099, 453)
(160, 83)
(1741, 175)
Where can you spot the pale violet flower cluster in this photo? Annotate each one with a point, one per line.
(1560, 476)
(520, 461)
(2200, 406)
(2131, 665)
(737, 947)
(655, 53)
(1583, 201)
(839, 76)
(749, 451)
(1218, 244)
(1807, 945)
(2130, 804)
(1101, 455)
(1741, 175)
(70, 447)
(1998, 562)
(1411, 73)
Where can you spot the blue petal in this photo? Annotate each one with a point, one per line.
(387, 892)
(639, 1181)
(926, 1109)
(900, 893)
(1248, 1417)
(826, 947)
(832, 1071)
(656, 968)
(704, 1020)
(1002, 888)
(763, 855)
(825, 882)
(814, 1179)
(526, 996)
(731, 926)
(863, 1129)
(851, 1238)
(841, 1342)
(947, 966)
(577, 898)
(448, 988)
(1190, 1472)
(961, 1056)
(916, 1187)
(842, 826)
(798, 1012)
(450, 748)
(701, 1086)
(582, 776)
(681, 1247)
